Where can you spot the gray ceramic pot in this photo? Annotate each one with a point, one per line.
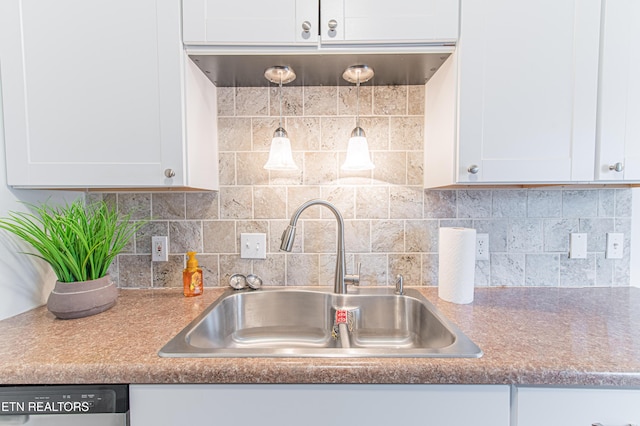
(82, 299)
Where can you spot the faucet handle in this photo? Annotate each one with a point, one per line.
(399, 285)
(353, 279)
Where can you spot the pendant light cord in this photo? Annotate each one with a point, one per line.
(280, 121)
(358, 100)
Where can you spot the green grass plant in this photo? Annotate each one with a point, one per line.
(79, 241)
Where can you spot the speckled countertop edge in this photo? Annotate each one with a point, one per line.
(533, 336)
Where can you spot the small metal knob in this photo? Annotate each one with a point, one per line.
(333, 24)
(618, 167)
(306, 26)
(169, 173)
(473, 169)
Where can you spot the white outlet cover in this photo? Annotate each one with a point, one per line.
(159, 249)
(615, 245)
(482, 246)
(578, 245)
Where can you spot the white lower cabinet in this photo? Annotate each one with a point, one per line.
(546, 406)
(321, 405)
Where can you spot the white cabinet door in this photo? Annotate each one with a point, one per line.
(619, 93)
(319, 405)
(383, 21)
(251, 22)
(577, 407)
(525, 79)
(93, 93)
(299, 22)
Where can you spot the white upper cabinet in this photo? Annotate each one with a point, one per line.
(618, 142)
(300, 22)
(517, 101)
(96, 94)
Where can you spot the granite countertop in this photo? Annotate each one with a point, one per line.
(568, 336)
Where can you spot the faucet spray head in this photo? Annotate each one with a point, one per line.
(288, 236)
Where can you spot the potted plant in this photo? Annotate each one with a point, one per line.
(79, 242)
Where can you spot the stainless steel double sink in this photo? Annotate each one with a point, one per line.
(313, 322)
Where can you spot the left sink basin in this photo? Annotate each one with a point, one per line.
(301, 322)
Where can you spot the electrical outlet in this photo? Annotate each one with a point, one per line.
(253, 246)
(159, 249)
(578, 246)
(482, 246)
(615, 245)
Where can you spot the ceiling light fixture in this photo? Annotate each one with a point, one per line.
(280, 157)
(358, 157)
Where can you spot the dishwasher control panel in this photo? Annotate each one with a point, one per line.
(55, 399)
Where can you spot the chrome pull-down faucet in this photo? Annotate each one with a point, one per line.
(341, 278)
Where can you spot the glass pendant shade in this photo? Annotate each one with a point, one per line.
(358, 157)
(280, 157)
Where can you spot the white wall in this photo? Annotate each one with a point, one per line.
(25, 281)
(635, 239)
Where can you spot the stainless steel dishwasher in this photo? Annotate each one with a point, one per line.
(73, 405)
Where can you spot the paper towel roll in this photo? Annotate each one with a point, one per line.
(456, 264)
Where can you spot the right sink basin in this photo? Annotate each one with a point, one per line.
(302, 322)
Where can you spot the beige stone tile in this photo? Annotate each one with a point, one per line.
(416, 100)
(390, 100)
(185, 236)
(347, 100)
(297, 195)
(415, 168)
(219, 236)
(250, 227)
(271, 270)
(202, 205)
(226, 101)
(144, 234)
(421, 236)
(168, 274)
(391, 168)
(137, 205)
(292, 103)
(320, 100)
(405, 202)
(252, 101)
(357, 236)
(320, 236)
(320, 168)
(336, 132)
(134, 271)
(269, 202)
(209, 265)
(377, 131)
(262, 132)
(387, 236)
(352, 177)
(373, 270)
(304, 133)
(407, 133)
(232, 264)
(234, 134)
(302, 269)
(236, 202)
(372, 202)
(227, 168)
(168, 205)
(407, 265)
(250, 168)
(430, 270)
(327, 270)
(343, 197)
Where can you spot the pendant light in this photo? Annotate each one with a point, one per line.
(358, 157)
(280, 157)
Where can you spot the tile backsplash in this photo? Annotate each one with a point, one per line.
(391, 222)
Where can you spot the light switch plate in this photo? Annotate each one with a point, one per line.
(253, 246)
(578, 246)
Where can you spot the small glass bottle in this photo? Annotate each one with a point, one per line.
(192, 276)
